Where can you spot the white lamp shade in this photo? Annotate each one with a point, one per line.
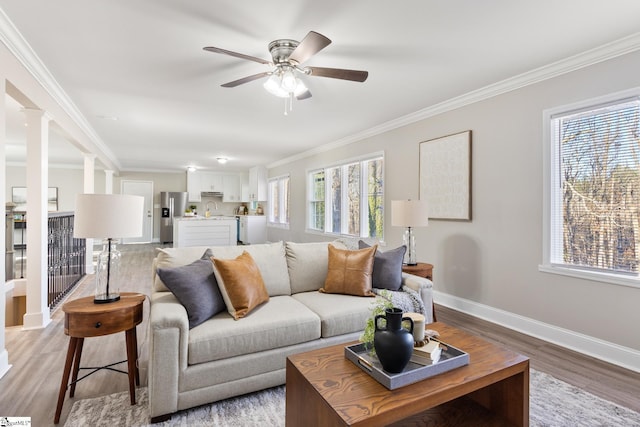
(108, 216)
(409, 213)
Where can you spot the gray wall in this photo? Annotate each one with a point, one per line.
(493, 260)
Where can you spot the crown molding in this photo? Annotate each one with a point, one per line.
(593, 56)
(22, 51)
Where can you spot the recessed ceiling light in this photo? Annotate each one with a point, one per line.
(191, 168)
(222, 160)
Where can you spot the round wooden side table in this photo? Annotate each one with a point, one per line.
(85, 319)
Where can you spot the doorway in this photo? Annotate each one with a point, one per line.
(144, 189)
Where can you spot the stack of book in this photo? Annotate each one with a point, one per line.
(428, 354)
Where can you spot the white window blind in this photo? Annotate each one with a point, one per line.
(278, 213)
(594, 218)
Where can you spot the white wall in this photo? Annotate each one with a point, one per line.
(70, 182)
(492, 261)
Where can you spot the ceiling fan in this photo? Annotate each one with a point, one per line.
(287, 59)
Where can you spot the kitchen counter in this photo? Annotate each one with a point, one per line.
(217, 230)
(212, 217)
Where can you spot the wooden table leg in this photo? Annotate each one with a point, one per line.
(135, 346)
(132, 350)
(71, 351)
(76, 366)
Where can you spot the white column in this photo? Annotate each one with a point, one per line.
(89, 188)
(108, 181)
(89, 174)
(4, 354)
(37, 315)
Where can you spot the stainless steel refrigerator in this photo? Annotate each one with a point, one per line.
(172, 205)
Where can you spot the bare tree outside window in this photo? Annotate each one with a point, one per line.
(353, 199)
(375, 199)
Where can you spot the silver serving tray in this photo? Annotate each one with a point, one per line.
(450, 358)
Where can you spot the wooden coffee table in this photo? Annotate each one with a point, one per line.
(324, 388)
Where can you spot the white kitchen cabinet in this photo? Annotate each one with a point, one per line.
(194, 187)
(253, 229)
(211, 182)
(257, 184)
(231, 188)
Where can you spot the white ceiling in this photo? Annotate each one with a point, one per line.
(142, 62)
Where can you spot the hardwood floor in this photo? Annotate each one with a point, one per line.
(30, 388)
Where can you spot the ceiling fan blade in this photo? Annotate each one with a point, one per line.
(236, 54)
(304, 95)
(246, 79)
(311, 44)
(339, 73)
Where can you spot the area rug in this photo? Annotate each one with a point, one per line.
(552, 403)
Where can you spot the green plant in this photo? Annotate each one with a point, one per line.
(381, 303)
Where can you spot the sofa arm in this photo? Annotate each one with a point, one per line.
(424, 287)
(169, 336)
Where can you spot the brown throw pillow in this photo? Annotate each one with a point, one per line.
(349, 272)
(240, 283)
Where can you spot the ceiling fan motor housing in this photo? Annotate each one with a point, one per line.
(281, 49)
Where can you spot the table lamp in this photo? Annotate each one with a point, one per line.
(108, 216)
(410, 214)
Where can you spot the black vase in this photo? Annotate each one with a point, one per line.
(393, 343)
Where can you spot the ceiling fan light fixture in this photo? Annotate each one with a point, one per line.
(300, 87)
(289, 80)
(274, 87)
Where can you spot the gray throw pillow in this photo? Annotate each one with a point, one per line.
(195, 286)
(387, 267)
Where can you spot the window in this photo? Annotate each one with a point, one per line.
(593, 186)
(279, 201)
(347, 199)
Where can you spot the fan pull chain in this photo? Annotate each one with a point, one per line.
(288, 104)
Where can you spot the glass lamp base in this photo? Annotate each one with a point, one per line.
(409, 240)
(108, 274)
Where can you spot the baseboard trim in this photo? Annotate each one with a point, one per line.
(625, 357)
(4, 363)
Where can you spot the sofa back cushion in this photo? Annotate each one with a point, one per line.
(269, 257)
(307, 263)
(171, 258)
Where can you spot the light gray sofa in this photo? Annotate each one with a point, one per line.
(223, 357)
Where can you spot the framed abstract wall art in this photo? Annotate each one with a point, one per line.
(445, 176)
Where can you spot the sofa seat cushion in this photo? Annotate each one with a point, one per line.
(280, 322)
(339, 314)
